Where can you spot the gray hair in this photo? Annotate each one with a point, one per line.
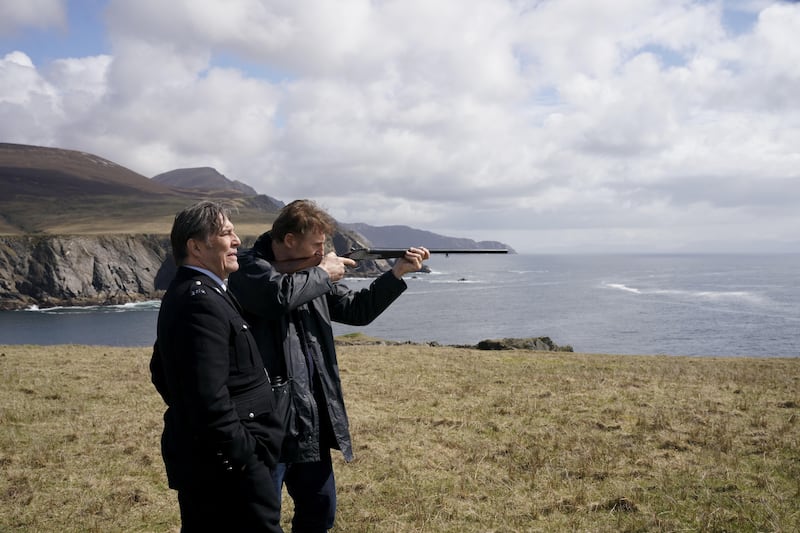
(199, 221)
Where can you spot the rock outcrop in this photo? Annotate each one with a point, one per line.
(82, 270)
(544, 344)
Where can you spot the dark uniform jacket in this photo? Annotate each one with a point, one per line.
(207, 367)
(277, 306)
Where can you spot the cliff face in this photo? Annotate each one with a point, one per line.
(82, 269)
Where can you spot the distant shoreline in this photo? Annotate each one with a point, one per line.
(345, 343)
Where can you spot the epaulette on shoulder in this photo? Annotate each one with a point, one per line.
(197, 289)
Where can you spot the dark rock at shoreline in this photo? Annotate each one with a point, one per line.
(541, 344)
(528, 343)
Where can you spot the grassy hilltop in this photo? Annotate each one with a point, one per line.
(67, 192)
(446, 440)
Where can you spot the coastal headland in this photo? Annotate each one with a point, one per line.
(78, 229)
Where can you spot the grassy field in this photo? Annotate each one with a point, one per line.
(446, 440)
(92, 215)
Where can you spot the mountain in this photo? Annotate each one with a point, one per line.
(55, 191)
(405, 236)
(202, 178)
(37, 171)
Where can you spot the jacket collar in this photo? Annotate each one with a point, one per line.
(263, 246)
(210, 274)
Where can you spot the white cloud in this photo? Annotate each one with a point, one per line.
(628, 124)
(15, 15)
(29, 104)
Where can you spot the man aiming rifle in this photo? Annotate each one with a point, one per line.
(291, 293)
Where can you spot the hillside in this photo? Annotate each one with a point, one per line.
(52, 191)
(55, 191)
(36, 170)
(405, 236)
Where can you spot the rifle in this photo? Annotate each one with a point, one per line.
(360, 254)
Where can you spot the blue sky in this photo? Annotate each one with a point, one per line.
(552, 125)
(74, 29)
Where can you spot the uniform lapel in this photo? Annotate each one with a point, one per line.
(228, 297)
(232, 299)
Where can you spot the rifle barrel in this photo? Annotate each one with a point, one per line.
(389, 253)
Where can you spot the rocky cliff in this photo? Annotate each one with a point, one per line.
(82, 269)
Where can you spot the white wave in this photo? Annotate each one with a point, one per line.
(695, 295)
(622, 287)
(54, 309)
(713, 295)
(147, 304)
(115, 308)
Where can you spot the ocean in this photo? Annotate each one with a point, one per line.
(704, 305)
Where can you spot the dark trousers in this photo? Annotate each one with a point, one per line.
(313, 491)
(243, 501)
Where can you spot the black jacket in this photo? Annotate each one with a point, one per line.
(274, 305)
(206, 366)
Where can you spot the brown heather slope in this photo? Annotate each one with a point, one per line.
(34, 170)
(55, 191)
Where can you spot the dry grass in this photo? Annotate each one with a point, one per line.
(446, 440)
(111, 215)
(79, 441)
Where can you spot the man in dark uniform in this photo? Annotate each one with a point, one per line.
(221, 435)
(289, 289)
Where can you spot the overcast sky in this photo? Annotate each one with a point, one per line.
(553, 126)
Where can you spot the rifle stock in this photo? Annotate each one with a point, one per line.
(361, 254)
